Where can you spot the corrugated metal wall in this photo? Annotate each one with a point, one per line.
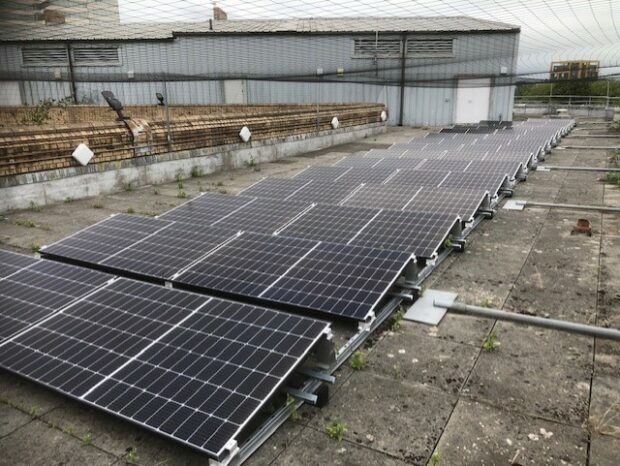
(195, 65)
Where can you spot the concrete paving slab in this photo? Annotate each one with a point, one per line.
(37, 443)
(402, 419)
(559, 275)
(605, 406)
(421, 359)
(604, 450)
(482, 434)
(11, 419)
(315, 447)
(276, 444)
(535, 386)
(534, 342)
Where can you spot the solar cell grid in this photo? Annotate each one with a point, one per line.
(321, 173)
(206, 208)
(330, 223)
(419, 233)
(385, 196)
(463, 203)
(194, 368)
(341, 280)
(262, 215)
(491, 182)
(275, 188)
(12, 262)
(419, 177)
(103, 239)
(246, 265)
(367, 175)
(328, 192)
(33, 293)
(358, 162)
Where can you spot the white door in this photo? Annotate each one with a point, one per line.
(472, 100)
(234, 91)
(9, 93)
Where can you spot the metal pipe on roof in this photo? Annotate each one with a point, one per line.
(403, 59)
(582, 169)
(600, 208)
(553, 324)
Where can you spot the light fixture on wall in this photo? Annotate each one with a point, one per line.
(114, 103)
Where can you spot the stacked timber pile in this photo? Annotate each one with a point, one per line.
(32, 149)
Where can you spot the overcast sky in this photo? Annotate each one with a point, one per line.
(551, 29)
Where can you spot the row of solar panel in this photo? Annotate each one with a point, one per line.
(188, 366)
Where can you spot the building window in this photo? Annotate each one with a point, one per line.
(96, 56)
(430, 48)
(377, 48)
(44, 56)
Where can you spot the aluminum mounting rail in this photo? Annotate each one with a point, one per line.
(545, 168)
(514, 204)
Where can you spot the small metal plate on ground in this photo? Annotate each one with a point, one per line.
(424, 311)
(514, 204)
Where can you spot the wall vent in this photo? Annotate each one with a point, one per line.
(430, 48)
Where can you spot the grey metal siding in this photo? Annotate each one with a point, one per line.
(194, 66)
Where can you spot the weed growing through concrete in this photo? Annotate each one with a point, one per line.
(23, 223)
(222, 191)
(434, 459)
(34, 207)
(220, 183)
(34, 412)
(130, 210)
(396, 371)
(612, 178)
(156, 192)
(68, 200)
(397, 318)
(490, 342)
(486, 302)
(180, 185)
(87, 439)
(448, 243)
(358, 361)
(196, 172)
(128, 187)
(34, 247)
(292, 408)
(132, 455)
(181, 194)
(68, 430)
(98, 205)
(336, 430)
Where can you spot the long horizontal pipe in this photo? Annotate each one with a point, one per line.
(579, 169)
(593, 147)
(554, 324)
(601, 208)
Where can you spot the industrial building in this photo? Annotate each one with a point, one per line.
(574, 69)
(426, 70)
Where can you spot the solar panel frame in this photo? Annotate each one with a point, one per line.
(275, 188)
(206, 208)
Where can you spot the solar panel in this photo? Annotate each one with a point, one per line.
(39, 289)
(336, 279)
(206, 208)
(382, 196)
(190, 367)
(327, 192)
(12, 262)
(463, 203)
(321, 173)
(330, 223)
(364, 175)
(262, 215)
(419, 177)
(419, 233)
(491, 182)
(275, 188)
(358, 162)
(108, 237)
